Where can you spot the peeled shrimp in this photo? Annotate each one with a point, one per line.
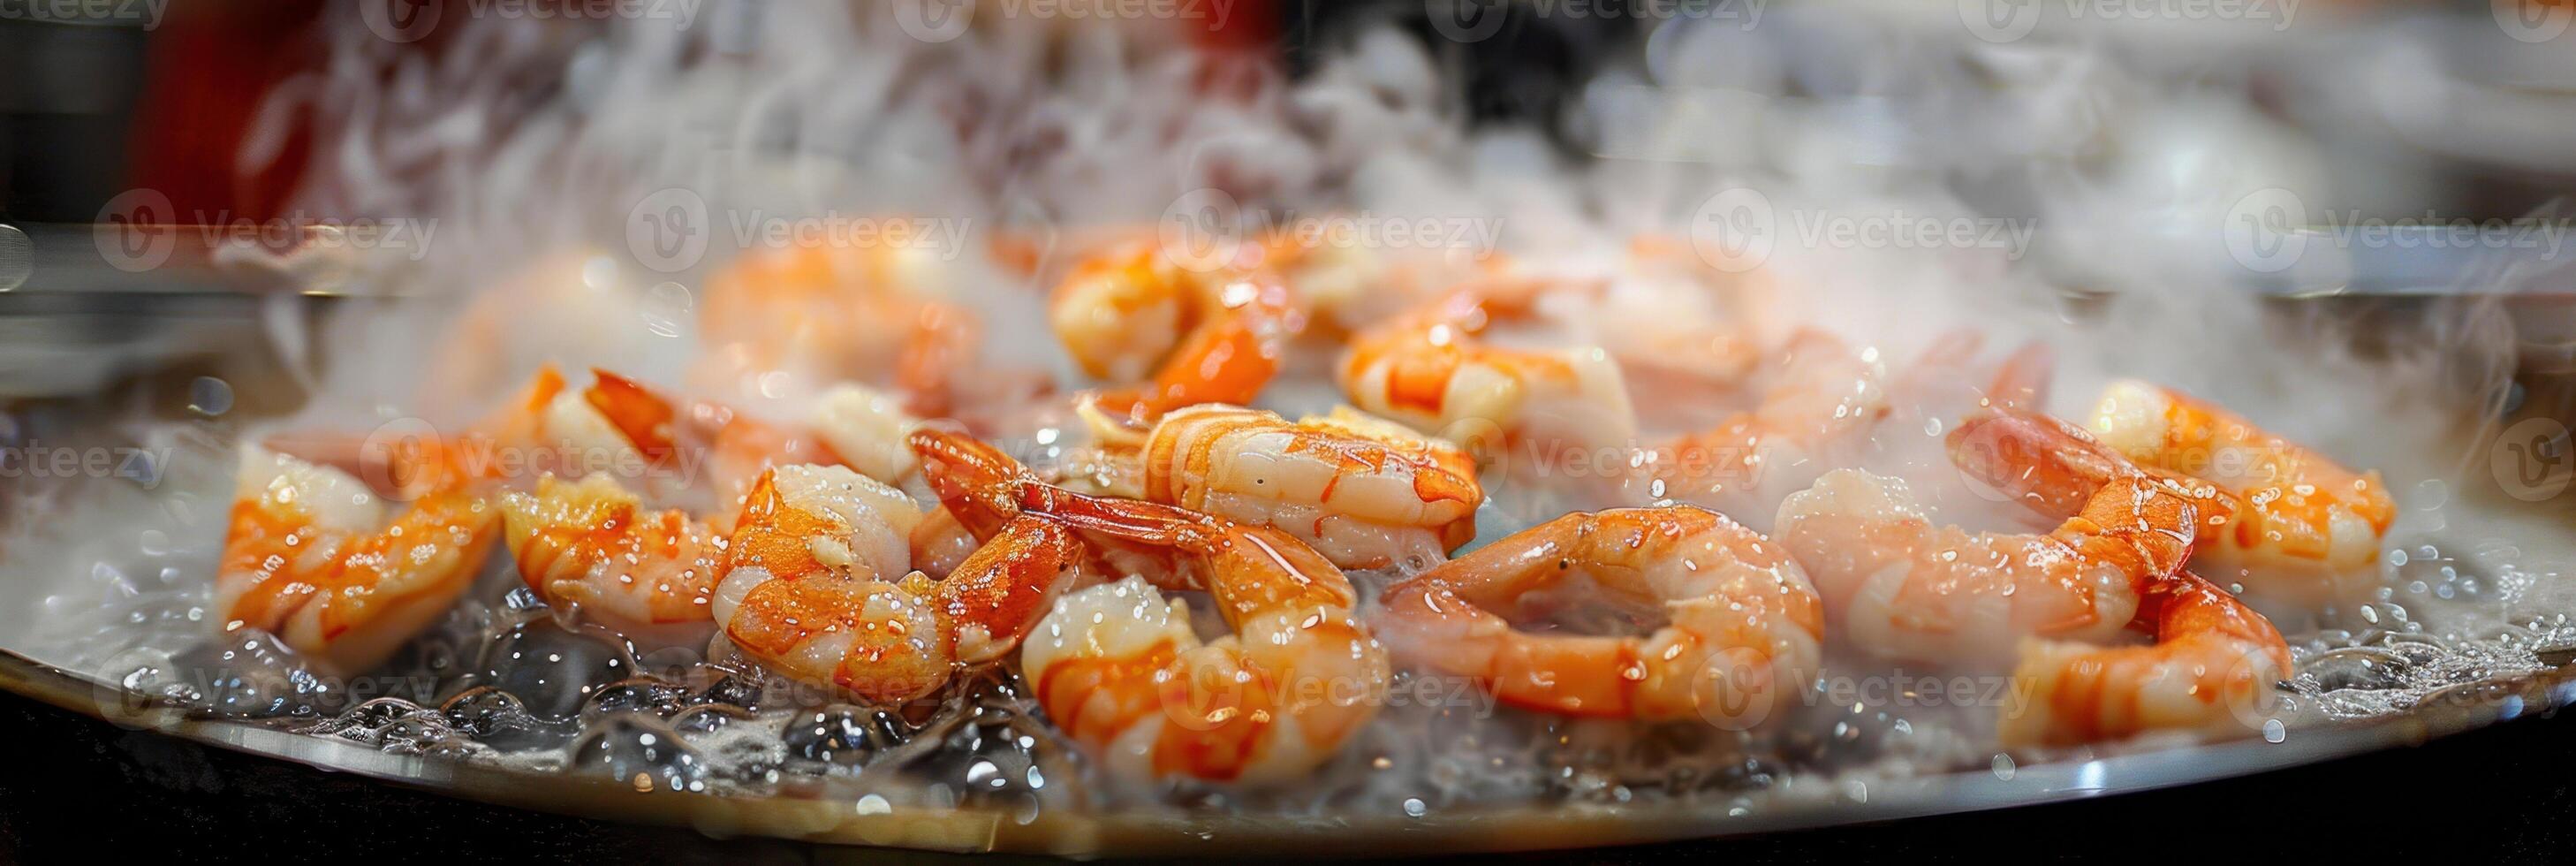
(2212, 669)
(1426, 368)
(2214, 662)
(820, 587)
(1365, 492)
(1825, 397)
(1130, 314)
(594, 545)
(1743, 623)
(1899, 586)
(2285, 520)
(1119, 669)
(311, 558)
(817, 314)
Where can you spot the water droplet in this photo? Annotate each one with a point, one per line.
(2004, 767)
(210, 396)
(2274, 731)
(667, 306)
(1415, 807)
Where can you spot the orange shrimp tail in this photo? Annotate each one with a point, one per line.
(1002, 588)
(974, 480)
(642, 416)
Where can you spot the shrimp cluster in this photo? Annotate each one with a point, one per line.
(1208, 589)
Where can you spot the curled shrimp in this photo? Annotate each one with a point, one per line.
(1426, 368)
(1742, 625)
(2213, 668)
(593, 544)
(1899, 586)
(819, 314)
(311, 557)
(820, 587)
(2284, 519)
(1120, 670)
(1131, 314)
(1365, 492)
(1825, 396)
(2214, 661)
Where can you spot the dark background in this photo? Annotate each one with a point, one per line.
(81, 790)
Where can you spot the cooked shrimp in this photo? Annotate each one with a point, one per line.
(311, 558)
(813, 591)
(1741, 634)
(594, 545)
(1119, 669)
(2213, 669)
(2215, 661)
(1899, 586)
(1363, 491)
(2286, 520)
(1426, 368)
(1131, 314)
(1825, 397)
(819, 314)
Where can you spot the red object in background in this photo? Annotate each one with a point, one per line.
(207, 70)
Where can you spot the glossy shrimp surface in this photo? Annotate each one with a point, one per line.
(1131, 315)
(2214, 662)
(1900, 586)
(1365, 492)
(2212, 670)
(593, 545)
(311, 557)
(1741, 631)
(1427, 368)
(2286, 520)
(815, 588)
(1120, 670)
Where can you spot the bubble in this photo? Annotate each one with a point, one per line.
(843, 735)
(551, 669)
(210, 396)
(667, 308)
(2003, 767)
(640, 749)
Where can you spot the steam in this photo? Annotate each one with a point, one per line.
(2063, 193)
